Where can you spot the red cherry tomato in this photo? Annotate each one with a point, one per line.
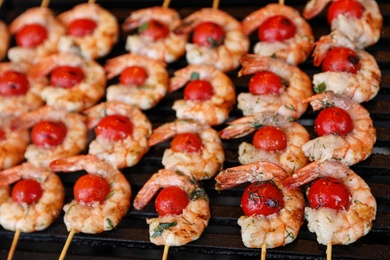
(171, 201)
(48, 134)
(27, 191)
(186, 142)
(351, 7)
(90, 189)
(154, 29)
(329, 192)
(114, 127)
(66, 76)
(333, 120)
(31, 35)
(276, 28)
(133, 75)
(208, 34)
(341, 59)
(261, 198)
(265, 83)
(198, 89)
(81, 27)
(13, 83)
(2, 134)
(270, 138)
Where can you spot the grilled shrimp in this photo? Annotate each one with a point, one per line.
(167, 49)
(149, 93)
(175, 230)
(213, 111)
(200, 165)
(289, 102)
(338, 226)
(124, 152)
(350, 149)
(5, 38)
(294, 50)
(274, 230)
(226, 56)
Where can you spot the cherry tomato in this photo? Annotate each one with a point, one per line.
(261, 198)
(81, 27)
(2, 134)
(208, 34)
(198, 89)
(13, 83)
(333, 120)
(154, 29)
(31, 35)
(341, 59)
(66, 76)
(351, 7)
(265, 83)
(171, 201)
(90, 189)
(114, 127)
(276, 28)
(270, 138)
(329, 192)
(48, 133)
(186, 142)
(27, 191)
(133, 75)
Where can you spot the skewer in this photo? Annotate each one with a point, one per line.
(166, 3)
(329, 251)
(281, 2)
(67, 243)
(13, 245)
(215, 4)
(165, 254)
(91, 1)
(263, 251)
(45, 3)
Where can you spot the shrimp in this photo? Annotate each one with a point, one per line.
(338, 226)
(274, 230)
(44, 17)
(74, 142)
(168, 49)
(146, 96)
(213, 111)
(350, 149)
(175, 230)
(290, 159)
(126, 152)
(226, 56)
(200, 165)
(100, 216)
(82, 95)
(5, 38)
(294, 50)
(289, 102)
(95, 45)
(38, 216)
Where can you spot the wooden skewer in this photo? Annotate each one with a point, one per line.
(263, 251)
(165, 254)
(166, 3)
(281, 2)
(14, 243)
(67, 243)
(215, 4)
(91, 1)
(329, 251)
(45, 3)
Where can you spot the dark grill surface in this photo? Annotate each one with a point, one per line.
(221, 239)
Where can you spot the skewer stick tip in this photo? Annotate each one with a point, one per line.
(329, 251)
(281, 2)
(263, 251)
(166, 3)
(165, 254)
(67, 243)
(14, 243)
(215, 4)
(45, 3)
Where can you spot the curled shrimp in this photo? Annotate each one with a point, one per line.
(350, 149)
(37, 216)
(289, 102)
(102, 216)
(290, 159)
(74, 142)
(200, 165)
(82, 95)
(274, 230)
(213, 111)
(146, 96)
(338, 226)
(44, 17)
(294, 50)
(128, 151)
(168, 49)
(226, 56)
(175, 230)
(5, 40)
(95, 45)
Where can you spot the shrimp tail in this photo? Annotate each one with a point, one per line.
(252, 63)
(313, 8)
(9, 176)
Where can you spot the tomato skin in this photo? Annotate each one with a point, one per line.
(198, 89)
(208, 34)
(186, 142)
(133, 75)
(48, 134)
(330, 193)
(154, 29)
(13, 83)
(276, 28)
(66, 76)
(265, 83)
(81, 27)
(31, 35)
(171, 201)
(261, 198)
(27, 191)
(333, 120)
(352, 7)
(270, 138)
(2, 134)
(341, 59)
(90, 189)
(114, 127)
